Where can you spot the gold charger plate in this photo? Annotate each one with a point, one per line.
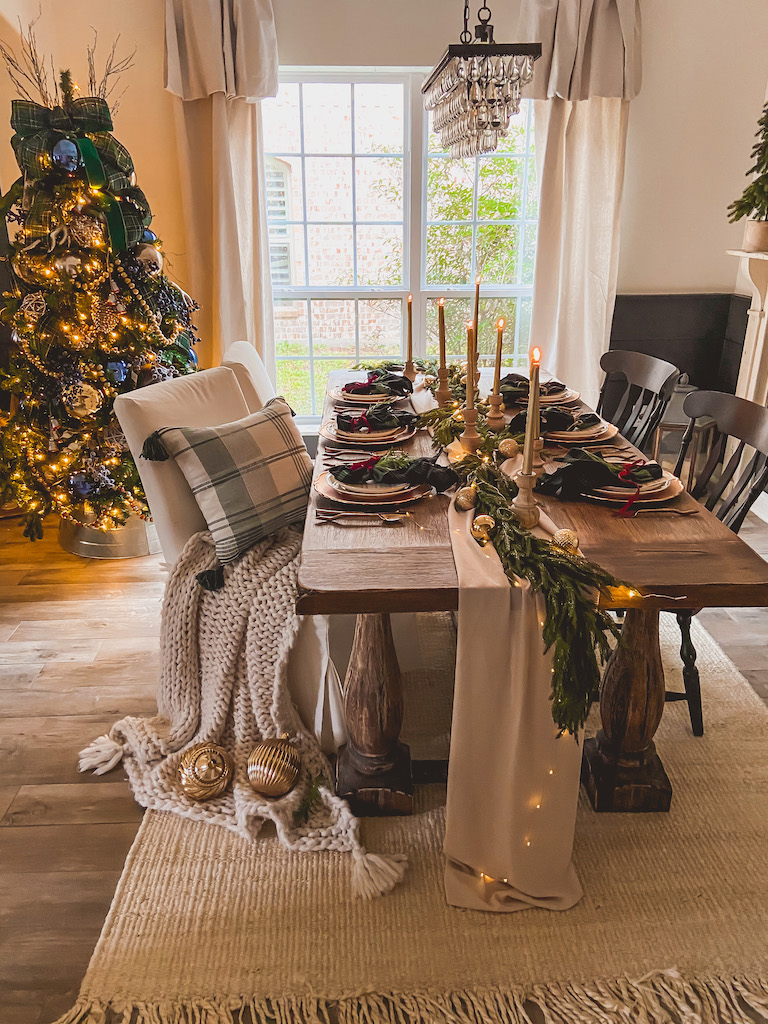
(581, 438)
(674, 488)
(328, 431)
(324, 487)
(337, 395)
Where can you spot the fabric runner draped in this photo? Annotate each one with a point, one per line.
(512, 783)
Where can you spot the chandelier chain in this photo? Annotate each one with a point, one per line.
(466, 35)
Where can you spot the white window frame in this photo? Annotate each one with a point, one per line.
(415, 165)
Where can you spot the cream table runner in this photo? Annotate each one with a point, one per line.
(512, 783)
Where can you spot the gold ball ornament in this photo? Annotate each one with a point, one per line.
(483, 528)
(466, 498)
(273, 767)
(150, 258)
(509, 448)
(566, 540)
(86, 231)
(429, 379)
(205, 771)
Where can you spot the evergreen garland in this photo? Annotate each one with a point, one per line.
(575, 627)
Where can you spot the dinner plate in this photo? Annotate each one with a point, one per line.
(328, 431)
(648, 488)
(323, 486)
(342, 396)
(562, 398)
(606, 432)
(672, 490)
(375, 435)
(583, 432)
(369, 488)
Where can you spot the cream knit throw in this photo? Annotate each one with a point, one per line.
(223, 657)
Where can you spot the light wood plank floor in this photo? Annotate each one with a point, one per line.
(78, 649)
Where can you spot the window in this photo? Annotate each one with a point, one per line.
(364, 209)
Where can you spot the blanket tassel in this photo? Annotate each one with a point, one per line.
(374, 874)
(153, 450)
(101, 755)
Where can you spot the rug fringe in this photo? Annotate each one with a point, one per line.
(660, 998)
(374, 874)
(101, 755)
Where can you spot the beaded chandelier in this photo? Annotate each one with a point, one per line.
(475, 88)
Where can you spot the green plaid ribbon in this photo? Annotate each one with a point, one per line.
(108, 165)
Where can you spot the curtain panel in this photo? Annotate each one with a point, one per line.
(221, 61)
(589, 71)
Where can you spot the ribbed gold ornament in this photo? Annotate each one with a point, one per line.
(273, 767)
(205, 771)
(565, 540)
(509, 448)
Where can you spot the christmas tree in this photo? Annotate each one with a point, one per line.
(91, 312)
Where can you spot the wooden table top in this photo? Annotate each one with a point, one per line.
(360, 568)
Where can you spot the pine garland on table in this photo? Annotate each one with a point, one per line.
(575, 627)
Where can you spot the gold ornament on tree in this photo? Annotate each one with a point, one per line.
(566, 540)
(33, 306)
(273, 767)
(483, 528)
(85, 231)
(88, 401)
(104, 315)
(466, 498)
(509, 448)
(205, 771)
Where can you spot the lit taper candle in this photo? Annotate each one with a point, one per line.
(470, 389)
(476, 317)
(441, 331)
(499, 343)
(409, 370)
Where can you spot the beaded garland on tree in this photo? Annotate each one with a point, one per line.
(91, 312)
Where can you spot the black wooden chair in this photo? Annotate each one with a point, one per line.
(743, 478)
(649, 384)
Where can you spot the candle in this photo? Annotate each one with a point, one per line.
(499, 341)
(476, 317)
(410, 329)
(441, 329)
(470, 402)
(531, 419)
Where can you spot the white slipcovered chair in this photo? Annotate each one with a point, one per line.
(246, 364)
(207, 399)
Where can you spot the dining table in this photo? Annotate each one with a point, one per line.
(371, 569)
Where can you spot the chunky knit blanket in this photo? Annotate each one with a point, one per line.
(223, 657)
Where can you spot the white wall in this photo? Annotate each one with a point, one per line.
(690, 129)
(690, 135)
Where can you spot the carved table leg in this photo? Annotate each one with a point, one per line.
(621, 769)
(373, 770)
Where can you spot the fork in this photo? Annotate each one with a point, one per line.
(330, 516)
(658, 511)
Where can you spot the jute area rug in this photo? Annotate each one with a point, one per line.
(208, 928)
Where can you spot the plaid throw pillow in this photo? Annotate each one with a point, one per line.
(250, 478)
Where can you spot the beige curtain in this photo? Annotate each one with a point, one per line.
(589, 70)
(221, 60)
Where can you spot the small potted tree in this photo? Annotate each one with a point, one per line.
(753, 204)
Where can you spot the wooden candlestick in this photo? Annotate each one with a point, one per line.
(443, 392)
(495, 418)
(524, 504)
(409, 370)
(470, 439)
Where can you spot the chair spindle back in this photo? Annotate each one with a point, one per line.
(650, 384)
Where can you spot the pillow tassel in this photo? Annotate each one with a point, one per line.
(153, 450)
(211, 579)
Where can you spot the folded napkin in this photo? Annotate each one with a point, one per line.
(380, 382)
(555, 418)
(515, 387)
(380, 417)
(583, 472)
(386, 469)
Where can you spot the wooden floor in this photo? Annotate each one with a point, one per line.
(78, 649)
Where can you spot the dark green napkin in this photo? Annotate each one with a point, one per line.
(582, 472)
(379, 469)
(555, 418)
(380, 382)
(379, 417)
(514, 388)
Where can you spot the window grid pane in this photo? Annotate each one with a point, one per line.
(331, 242)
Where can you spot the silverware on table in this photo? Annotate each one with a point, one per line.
(330, 516)
(659, 511)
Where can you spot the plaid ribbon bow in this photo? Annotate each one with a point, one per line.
(108, 166)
